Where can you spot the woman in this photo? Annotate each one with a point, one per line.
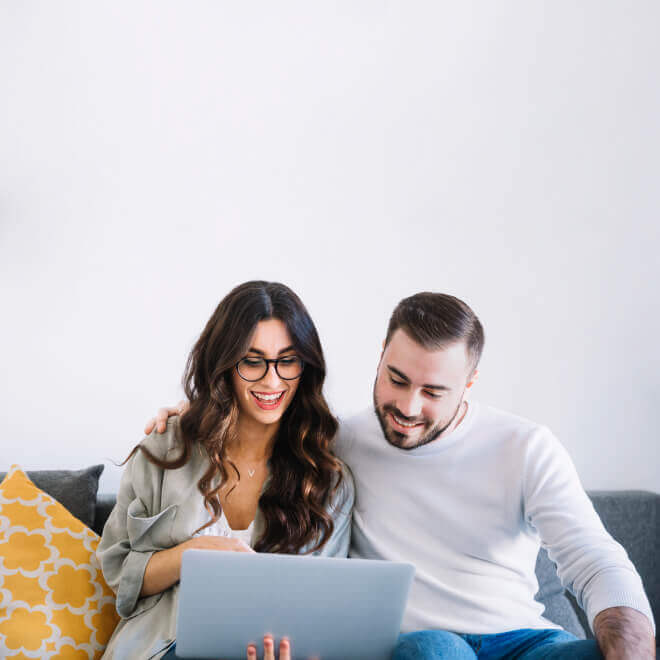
(247, 467)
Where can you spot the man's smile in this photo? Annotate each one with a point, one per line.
(401, 425)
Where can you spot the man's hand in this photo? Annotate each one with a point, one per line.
(160, 420)
(623, 633)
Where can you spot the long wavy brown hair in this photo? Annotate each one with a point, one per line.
(304, 473)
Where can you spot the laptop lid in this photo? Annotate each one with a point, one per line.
(329, 608)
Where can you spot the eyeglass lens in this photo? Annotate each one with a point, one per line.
(254, 368)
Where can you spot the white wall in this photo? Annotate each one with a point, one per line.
(155, 154)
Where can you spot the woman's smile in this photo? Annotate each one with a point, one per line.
(268, 400)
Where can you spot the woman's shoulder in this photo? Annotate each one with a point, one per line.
(161, 444)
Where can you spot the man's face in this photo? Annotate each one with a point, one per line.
(418, 392)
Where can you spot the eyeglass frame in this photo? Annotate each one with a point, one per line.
(268, 362)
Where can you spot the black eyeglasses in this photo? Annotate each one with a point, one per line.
(255, 368)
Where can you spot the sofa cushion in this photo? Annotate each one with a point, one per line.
(54, 601)
(74, 489)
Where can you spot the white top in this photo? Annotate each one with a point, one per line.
(221, 528)
(470, 510)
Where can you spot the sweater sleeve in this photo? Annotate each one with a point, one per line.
(590, 563)
(135, 529)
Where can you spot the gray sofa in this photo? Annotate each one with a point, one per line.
(631, 516)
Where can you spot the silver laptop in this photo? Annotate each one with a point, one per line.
(332, 609)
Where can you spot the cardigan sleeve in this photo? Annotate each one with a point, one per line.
(137, 527)
(341, 510)
(590, 563)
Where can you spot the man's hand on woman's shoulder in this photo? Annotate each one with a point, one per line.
(159, 422)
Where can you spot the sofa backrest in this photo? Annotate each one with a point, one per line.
(105, 502)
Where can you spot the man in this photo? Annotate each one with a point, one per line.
(468, 493)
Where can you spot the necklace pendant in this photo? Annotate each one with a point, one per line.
(250, 473)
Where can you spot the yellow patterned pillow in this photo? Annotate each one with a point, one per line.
(54, 602)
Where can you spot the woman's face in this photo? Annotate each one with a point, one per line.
(266, 400)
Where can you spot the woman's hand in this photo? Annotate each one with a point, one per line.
(225, 543)
(269, 649)
(159, 422)
(164, 567)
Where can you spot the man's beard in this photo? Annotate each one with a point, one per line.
(397, 439)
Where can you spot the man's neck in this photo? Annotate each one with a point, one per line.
(463, 408)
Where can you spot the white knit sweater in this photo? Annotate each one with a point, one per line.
(470, 510)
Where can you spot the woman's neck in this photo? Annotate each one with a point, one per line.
(254, 441)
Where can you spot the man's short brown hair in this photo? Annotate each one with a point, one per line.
(435, 320)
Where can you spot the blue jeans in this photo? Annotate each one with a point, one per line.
(526, 644)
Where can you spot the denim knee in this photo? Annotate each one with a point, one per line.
(432, 645)
(564, 646)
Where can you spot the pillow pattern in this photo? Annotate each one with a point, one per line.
(54, 602)
(75, 489)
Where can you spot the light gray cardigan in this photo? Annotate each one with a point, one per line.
(157, 509)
